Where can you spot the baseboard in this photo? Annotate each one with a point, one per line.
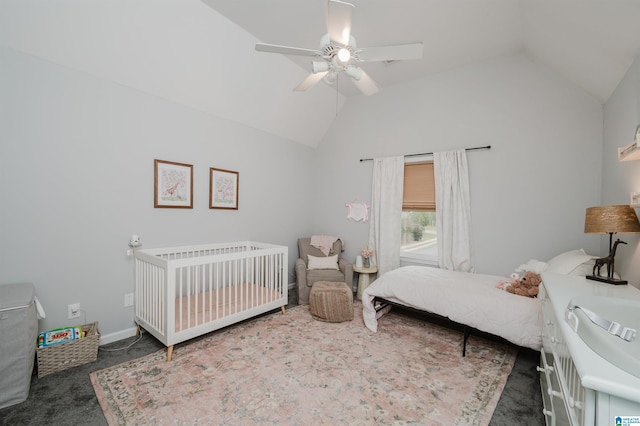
(118, 335)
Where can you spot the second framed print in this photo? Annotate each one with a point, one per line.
(223, 189)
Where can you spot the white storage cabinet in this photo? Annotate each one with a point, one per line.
(579, 387)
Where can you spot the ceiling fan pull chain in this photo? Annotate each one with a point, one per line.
(337, 92)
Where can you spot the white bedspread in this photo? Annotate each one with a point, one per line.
(463, 297)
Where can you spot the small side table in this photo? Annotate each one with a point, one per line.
(363, 279)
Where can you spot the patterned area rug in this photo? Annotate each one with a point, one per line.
(292, 369)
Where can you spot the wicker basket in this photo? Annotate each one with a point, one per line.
(52, 359)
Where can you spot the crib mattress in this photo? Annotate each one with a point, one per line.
(201, 308)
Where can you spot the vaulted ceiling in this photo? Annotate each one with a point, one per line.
(591, 42)
(200, 53)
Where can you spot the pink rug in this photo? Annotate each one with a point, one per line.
(292, 369)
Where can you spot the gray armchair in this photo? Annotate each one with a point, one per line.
(306, 277)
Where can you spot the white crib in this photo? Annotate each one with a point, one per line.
(185, 292)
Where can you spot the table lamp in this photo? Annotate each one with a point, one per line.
(620, 219)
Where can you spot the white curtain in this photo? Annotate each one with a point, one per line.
(453, 210)
(386, 212)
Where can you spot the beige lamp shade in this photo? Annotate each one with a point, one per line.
(610, 220)
(619, 219)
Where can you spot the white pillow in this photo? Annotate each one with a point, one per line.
(328, 262)
(533, 265)
(586, 268)
(571, 262)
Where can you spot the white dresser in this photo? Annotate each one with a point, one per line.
(579, 387)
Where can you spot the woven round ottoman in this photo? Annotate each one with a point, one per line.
(331, 301)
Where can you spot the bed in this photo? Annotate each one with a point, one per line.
(469, 299)
(185, 292)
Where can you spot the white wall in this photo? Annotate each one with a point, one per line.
(528, 193)
(621, 116)
(76, 163)
(182, 50)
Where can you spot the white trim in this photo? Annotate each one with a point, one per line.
(118, 335)
(422, 260)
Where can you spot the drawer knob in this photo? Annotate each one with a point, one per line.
(547, 369)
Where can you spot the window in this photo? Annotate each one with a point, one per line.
(419, 243)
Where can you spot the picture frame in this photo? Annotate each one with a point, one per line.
(173, 185)
(224, 187)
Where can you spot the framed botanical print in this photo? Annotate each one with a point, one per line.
(223, 189)
(173, 185)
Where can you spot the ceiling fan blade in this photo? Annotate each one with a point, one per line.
(366, 84)
(339, 21)
(391, 53)
(274, 48)
(310, 81)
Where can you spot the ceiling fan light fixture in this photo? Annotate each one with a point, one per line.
(331, 77)
(319, 66)
(344, 55)
(354, 72)
(338, 52)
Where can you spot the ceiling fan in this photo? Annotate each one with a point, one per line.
(338, 52)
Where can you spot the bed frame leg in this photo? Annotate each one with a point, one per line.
(282, 309)
(169, 353)
(464, 341)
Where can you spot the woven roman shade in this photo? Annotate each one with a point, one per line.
(419, 192)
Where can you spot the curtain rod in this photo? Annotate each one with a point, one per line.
(431, 153)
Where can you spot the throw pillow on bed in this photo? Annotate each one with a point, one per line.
(532, 265)
(574, 262)
(328, 262)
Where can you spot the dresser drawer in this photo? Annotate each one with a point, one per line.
(545, 388)
(555, 409)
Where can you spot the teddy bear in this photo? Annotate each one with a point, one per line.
(525, 286)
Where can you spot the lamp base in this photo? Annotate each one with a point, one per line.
(607, 280)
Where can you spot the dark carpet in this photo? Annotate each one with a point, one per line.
(68, 398)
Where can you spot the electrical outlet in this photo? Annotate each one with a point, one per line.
(128, 300)
(73, 311)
